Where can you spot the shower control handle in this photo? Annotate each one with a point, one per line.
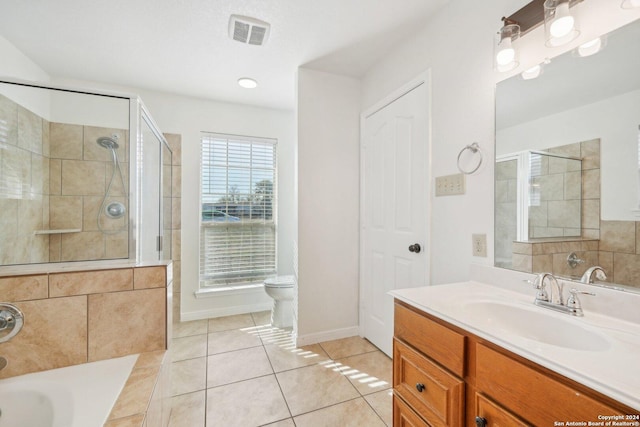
(415, 248)
(11, 321)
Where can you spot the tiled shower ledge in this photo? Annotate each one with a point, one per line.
(60, 267)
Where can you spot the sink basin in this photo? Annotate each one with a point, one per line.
(534, 324)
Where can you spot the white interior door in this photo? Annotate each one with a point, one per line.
(395, 193)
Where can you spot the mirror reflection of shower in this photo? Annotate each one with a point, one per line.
(112, 209)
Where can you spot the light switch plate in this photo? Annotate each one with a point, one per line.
(479, 242)
(450, 185)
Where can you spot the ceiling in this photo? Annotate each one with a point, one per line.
(182, 46)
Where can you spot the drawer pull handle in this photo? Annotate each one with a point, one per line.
(420, 387)
(481, 422)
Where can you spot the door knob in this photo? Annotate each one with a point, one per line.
(415, 248)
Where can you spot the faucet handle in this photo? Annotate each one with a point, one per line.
(573, 301)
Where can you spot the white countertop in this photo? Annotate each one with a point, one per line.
(612, 367)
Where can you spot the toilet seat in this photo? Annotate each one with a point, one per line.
(279, 282)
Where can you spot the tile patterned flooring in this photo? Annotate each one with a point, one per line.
(240, 371)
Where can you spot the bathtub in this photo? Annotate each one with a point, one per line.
(76, 396)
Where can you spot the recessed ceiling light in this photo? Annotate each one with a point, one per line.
(247, 83)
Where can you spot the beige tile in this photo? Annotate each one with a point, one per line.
(177, 271)
(605, 260)
(65, 141)
(116, 245)
(189, 347)
(314, 387)
(184, 329)
(122, 323)
(9, 118)
(284, 423)
(175, 143)
(238, 321)
(92, 205)
(262, 317)
(117, 188)
(188, 376)
(90, 282)
(176, 243)
(176, 181)
(149, 277)
(626, 269)
(345, 347)
(590, 153)
(82, 246)
(522, 263)
(247, 403)
(188, 410)
(369, 372)
(382, 403)
(286, 357)
(18, 162)
(39, 174)
(637, 237)
(522, 248)
(29, 130)
(46, 138)
(234, 366)
(132, 421)
(176, 213)
(591, 214)
(573, 185)
(272, 335)
(150, 359)
(55, 246)
(42, 344)
(542, 263)
(591, 184)
(55, 177)
(65, 212)
(220, 342)
(83, 178)
(136, 393)
(618, 236)
(354, 413)
(22, 288)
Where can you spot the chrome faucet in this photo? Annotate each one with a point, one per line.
(543, 299)
(11, 321)
(596, 271)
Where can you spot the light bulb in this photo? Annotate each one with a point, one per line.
(590, 48)
(532, 72)
(506, 53)
(247, 83)
(563, 22)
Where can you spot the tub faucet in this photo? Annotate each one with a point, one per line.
(596, 271)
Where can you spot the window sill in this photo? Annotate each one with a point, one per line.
(227, 290)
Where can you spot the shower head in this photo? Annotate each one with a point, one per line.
(108, 142)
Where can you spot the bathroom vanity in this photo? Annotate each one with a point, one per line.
(471, 354)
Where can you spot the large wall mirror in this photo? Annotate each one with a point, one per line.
(568, 165)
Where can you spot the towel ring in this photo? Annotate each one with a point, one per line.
(474, 148)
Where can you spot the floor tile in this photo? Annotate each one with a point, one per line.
(220, 342)
(234, 366)
(188, 410)
(272, 335)
(227, 323)
(194, 327)
(189, 347)
(248, 403)
(354, 413)
(286, 357)
(382, 403)
(368, 372)
(284, 423)
(345, 347)
(262, 318)
(313, 387)
(188, 376)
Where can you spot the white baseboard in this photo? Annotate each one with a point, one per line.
(335, 334)
(224, 311)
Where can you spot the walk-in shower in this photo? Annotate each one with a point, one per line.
(84, 176)
(110, 208)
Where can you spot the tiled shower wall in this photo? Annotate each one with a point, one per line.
(175, 143)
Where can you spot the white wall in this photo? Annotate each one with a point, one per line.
(328, 205)
(615, 121)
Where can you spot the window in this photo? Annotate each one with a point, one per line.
(238, 216)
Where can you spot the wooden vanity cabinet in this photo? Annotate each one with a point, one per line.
(446, 376)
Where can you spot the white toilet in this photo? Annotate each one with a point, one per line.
(280, 288)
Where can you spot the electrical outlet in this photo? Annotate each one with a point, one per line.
(479, 244)
(450, 185)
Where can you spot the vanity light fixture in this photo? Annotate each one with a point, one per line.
(247, 83)
(630, 4)
(532, 73)
(591, 47)
(506, 55)
(560, 23)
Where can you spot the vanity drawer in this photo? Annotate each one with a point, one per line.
(532, 394)
(436, 341)
(403, 415)
(495, 415)
(429, 389)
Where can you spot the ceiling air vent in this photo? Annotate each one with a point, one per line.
(248, 30)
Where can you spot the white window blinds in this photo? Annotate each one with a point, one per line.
(238, 216)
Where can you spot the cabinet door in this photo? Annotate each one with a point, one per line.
(404, 416)
(434, 393)
(495, 415)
